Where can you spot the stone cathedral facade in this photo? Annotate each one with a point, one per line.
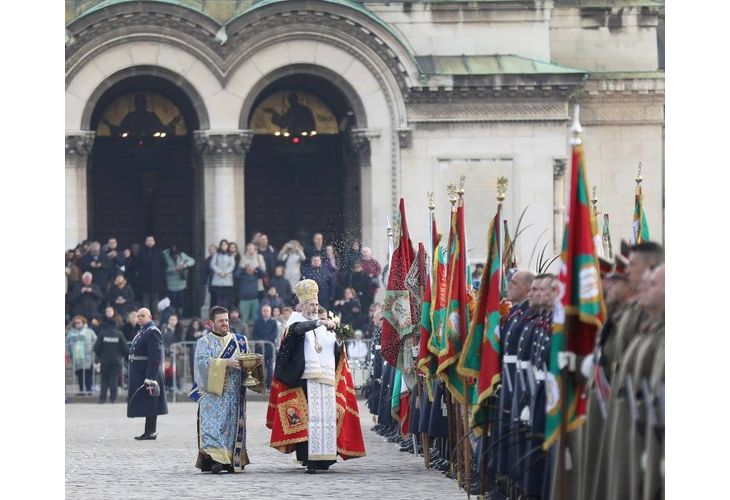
(201, 120)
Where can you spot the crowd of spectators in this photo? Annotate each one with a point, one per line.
(264, 276)
(105, 285)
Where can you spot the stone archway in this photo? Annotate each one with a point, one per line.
(299, 184)
(143, 177)
(373, 138)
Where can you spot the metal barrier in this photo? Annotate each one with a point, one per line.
(179, 369)
(93, 374)
(361, 367)
(87, 376)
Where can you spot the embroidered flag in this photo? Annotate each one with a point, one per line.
(579, 310)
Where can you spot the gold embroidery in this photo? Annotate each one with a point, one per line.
(293, 412)
(350, 453)
(285, 442)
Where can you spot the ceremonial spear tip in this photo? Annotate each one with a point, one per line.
(575, 128)
(502, 188)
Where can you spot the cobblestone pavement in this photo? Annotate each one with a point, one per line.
(103, 461)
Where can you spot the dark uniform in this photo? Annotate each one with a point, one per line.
(535, 465)
(145, 362)
(517, 359)
(373, 387)
(510, 333)
(111, 349)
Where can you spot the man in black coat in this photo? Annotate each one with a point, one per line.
(85, 298)
(98, 264)
(268, 253)
(111, 349)
(146, 381)
(151, 266)
(325, 281)
(265, 329)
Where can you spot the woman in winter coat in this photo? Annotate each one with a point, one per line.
(80, 340)
(292, 255)
(176, 275)
(222, 265)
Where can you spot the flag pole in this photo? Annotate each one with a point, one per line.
(454, 405)
(598, 240)
(466, 443)
(575, 140)
(425, 442)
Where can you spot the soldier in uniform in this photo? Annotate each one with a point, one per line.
(535, 461)
(146, 382)
(642, 257)
(595, 369)
(516, 359)
(518, 288)
(627, 413)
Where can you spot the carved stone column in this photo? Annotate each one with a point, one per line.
(559, 166)
(359, 143)
(78, 150)
(223, 155)
(363, 145)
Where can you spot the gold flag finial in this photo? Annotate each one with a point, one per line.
(451, 188)
(502, 188)
(431, 204)
(638, 177)
(462, 181)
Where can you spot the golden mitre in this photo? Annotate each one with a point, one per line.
(306, 290)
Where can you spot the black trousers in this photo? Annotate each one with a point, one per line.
(109, 380)
(150, 424)
(84, 376)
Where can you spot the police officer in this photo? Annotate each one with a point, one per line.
(146, 382)
(111, 349)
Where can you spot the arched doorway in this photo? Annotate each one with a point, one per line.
(301, 177)
(143, 178)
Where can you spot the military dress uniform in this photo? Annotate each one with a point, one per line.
(598, 395)
(145, 363)
(535, 465)
(625, 419)
(614, 349)
(517, 443)
(510, 335)
(653, 457)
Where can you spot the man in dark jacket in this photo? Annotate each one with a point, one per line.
(248, 292)
(325, 281)
(98, 264)
(85, 298)
(283, 286)
(152, 268)
(121, 296)
(317, 247)
(268, 253)
(265, 329)
(146, 382)
(361, 283)
(111, 349)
